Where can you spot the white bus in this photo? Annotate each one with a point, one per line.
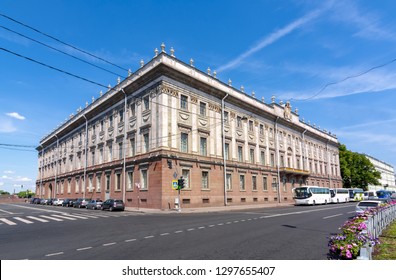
(339, 195)
(311, 195)
(356, 194)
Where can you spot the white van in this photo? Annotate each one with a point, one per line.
(369, 195)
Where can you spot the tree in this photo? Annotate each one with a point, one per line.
(4, 192)
(357, 171)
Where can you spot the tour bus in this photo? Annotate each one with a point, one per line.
(339, 195)
(311, 195)
(384, 194)
(356, 194)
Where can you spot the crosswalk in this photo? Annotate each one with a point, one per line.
(58, 217)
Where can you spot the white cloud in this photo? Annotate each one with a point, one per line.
(6, 177)
(9, 172)
(23, 179)
(273, 37)
(6, 126)
(15, 115)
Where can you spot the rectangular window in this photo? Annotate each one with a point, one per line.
(68, 187)
(120, 151)
(183, 102)
(111, 121)
(93, 158)
(265, 187)
(98, 182)
(228, 182)
(227, 151)
(252, 155)
(251, 126)
(202, 109)
(121, 116)
(101, 125)
(240, 153)
(239, 122)
(261, 130)
(133, 110)
(273, 160)
(146, 103)
(205, 180)
(132, 151)
(108, 183)
(262, 157)
(146, 142)
(77, 186)
(186, 176)
(203, 146)
(254, 183)
(225, 117)
(101, 156)
(130, 181)
(184, 142)
(274, 184)
(118, 182)
(110, 154)
(242, 182)
(90, 184)
(143, 179)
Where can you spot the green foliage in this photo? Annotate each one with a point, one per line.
(356, 170)
(4, 192)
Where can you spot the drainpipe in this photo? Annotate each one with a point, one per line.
(124, 148)
(56, 166)
(86, 155)
(277, 155)
(303, 148)
(224, 156)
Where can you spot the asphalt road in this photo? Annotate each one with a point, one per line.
(48, 232)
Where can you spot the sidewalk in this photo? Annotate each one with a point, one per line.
(209, 209)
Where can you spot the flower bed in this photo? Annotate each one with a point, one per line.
(354, 235)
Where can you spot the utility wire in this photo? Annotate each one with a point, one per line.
(53, 68)
(345, 79)
(65, 53)
(62, 42)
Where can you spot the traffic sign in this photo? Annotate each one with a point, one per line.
(175, 186)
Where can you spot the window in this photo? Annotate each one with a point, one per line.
(132, 151)
(203, 146)
(225, 117)
(272, 160)
(101, 156)
(242, 182)
(130, 180)
(146, 142)
(146, 103)
(108, 183)
(101, 125)
(183, 102)
(184, 142)
(121, 115)
(110, 154)
(254, 183)
(68, 186)
(205, 180)
(90, 185)
(228, 182)
(118, 182)
(251, 126)
(186, 176)
(274, 184)
(120, 151)
(98, 182)
(282, 161)
(240, 153)
(227, 150)
(133, 110)
(239, 122)
(265, 186)
(202, 109)
(111, 121)
(261, 130)
(93, 157)
(252, 155)
(143, 179)
(77, 188)
(262, 157)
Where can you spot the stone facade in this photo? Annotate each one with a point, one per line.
(387, 180)
(165, 121)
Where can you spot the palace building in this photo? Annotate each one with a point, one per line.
(170, 120)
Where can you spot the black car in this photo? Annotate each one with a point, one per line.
(68, 202)
(113, 204)
(81, 202)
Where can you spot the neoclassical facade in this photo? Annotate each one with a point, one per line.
(387, 180)
(169, 119)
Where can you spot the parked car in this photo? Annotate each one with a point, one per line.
(49, 201)
(68, 202)
(57, 201)
(35, 200)
(113, 204)
(95, 204)
(81, 202)
(366, 205)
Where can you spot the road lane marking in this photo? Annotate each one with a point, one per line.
(23, 220)
(83, 249)
(37, 219)
(332, 216)
(75, 216)
(6, 211)
(165, 233)
(54, 254)
(130, 240)
(150, 236)
(109, 244)
(8, 222)
(51, 218)
(64, 217)
(179, 231)
(201, 227)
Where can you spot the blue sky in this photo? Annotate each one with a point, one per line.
(333, 60)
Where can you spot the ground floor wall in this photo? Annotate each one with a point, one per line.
(147, 183)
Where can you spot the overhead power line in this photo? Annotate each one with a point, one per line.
(58, 50)
(62, 42)
(53, 68)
